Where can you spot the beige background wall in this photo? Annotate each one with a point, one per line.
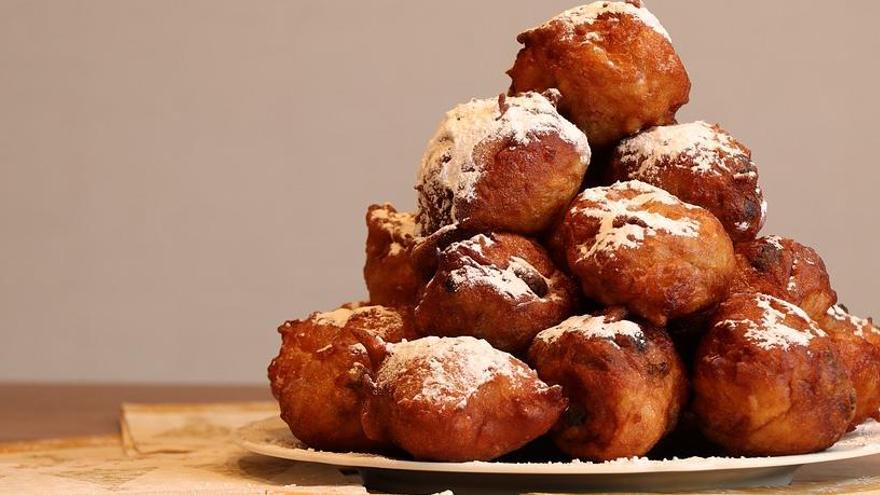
(177, 177)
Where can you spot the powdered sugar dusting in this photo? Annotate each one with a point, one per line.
(396, 223)
(475, 243)
(336, 318)
(626, 221)
(449, 172)
(700, 143)
(452, 370)
(594, 327)
(401, 226)
(507, 281)
(504, 281)
(586, 15)
(859, 325)
(774, 240)
(772, 331)
(339, 317)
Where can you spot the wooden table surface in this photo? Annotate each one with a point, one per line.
(33, 411)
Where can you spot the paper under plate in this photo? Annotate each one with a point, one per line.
(273, 438)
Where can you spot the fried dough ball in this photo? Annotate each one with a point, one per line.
(389, 273)
(624, 381)
(510, 164)
(500, 287)
(701, 164)
(635, 245)
(858, 345)
(786, 269)
(458, 399)
(614, 64)
(768, 381)
(318, 373)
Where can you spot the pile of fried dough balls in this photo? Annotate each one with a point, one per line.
(526, 298)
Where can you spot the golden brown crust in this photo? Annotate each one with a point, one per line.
(318, 373)
(786, 269)
(635, 245)
(500, 287)
(701, 164)
(857, 342)
(511, 165)
(767, 381)
(458, 399)
(616, 75)
(388, 272)
(626, 385)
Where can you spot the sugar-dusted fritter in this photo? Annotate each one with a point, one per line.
(701, 164)
(768, 381)
(458, 399)
(510, 164)
(389, 273)
(786, 269)
(635, 245)
(858, 344)
(624, 381)
(318, 374)
(614, 64)
(500, 287)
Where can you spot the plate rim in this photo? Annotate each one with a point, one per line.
(676, 465)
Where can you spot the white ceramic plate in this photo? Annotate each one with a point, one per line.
(272, 437)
